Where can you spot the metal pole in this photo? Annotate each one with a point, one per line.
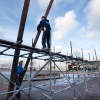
(78, 71)
(97, 65)
(30, 78)
(73, 70)
(95, 54)
(85, 79)
(54, 71)
(30, 85)
(72, 61)
(50, 67)
(89, 61)
(91, 69)
(89, 56)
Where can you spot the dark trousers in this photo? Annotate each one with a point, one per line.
(18, 83)
(46, 38)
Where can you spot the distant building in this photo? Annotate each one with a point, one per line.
(73, 66)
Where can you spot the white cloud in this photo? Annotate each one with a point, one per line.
(92, 12)
(93, 34)
(92, 16)
(84, 32)
(65, 24)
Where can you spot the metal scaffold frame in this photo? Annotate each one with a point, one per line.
(50, 58)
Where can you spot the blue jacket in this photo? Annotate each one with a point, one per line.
(20, 70)
(43, 23)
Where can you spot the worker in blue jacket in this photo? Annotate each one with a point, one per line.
(45, 26)
(19, 72)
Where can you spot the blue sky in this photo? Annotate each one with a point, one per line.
(71, 20)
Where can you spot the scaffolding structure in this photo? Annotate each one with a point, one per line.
(51, 58)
